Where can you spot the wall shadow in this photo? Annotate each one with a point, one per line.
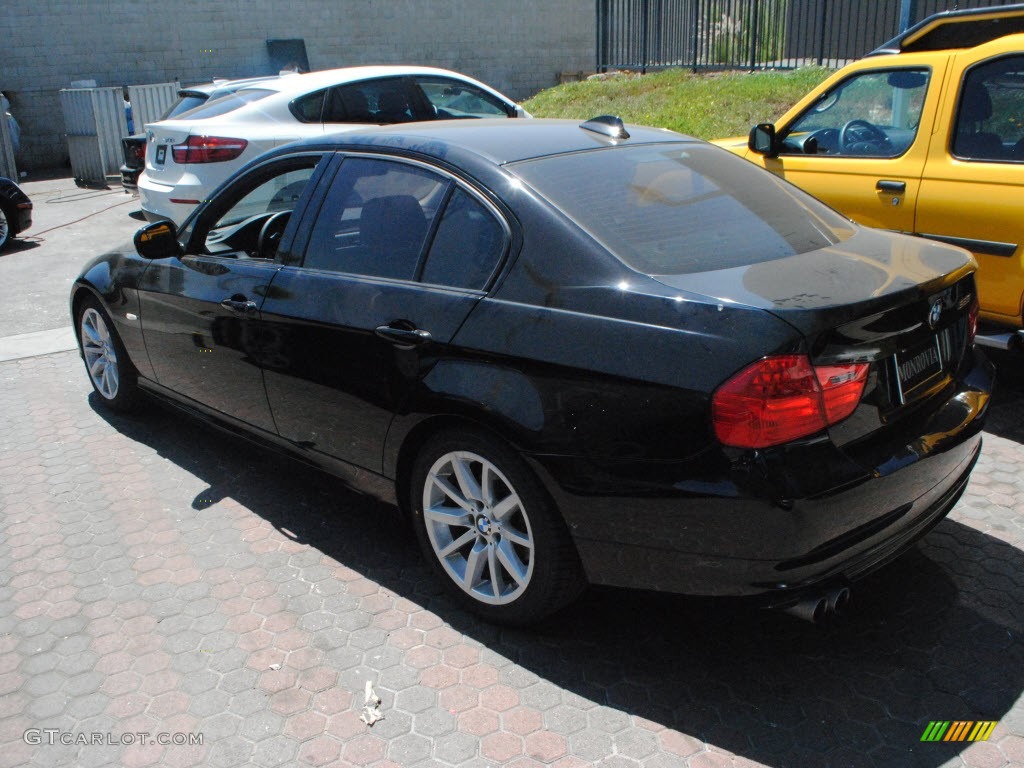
(935, 636)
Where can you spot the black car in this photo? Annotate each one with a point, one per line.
(573, 353)
(15, 211)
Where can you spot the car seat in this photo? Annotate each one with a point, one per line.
(971, 141)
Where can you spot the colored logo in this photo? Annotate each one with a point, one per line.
(958, 730)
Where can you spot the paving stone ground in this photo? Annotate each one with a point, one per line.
(158, 577)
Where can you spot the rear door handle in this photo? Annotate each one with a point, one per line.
(241, 305)
(885, 185)
(404, 337)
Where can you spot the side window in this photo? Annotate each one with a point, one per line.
(453, 99)
(375, 219)
(872, 114)
(390, 100)
(990, 112)
(308, 109)
(250, 218)
(467, 247)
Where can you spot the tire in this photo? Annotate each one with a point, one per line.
(110, 372)
(6, 233)
(511, 559)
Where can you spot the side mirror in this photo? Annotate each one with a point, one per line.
(158, 240)
(762, 140)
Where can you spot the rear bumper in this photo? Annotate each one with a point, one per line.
(156, 199)
(726, 536)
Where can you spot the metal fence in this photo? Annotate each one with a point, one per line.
(752, 34)
(95, 121)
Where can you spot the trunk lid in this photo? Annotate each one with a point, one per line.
(901, 304)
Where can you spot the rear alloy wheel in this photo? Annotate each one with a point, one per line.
(106, 360)
(485, 523)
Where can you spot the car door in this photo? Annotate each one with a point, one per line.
(399, 255)
(972, 193)
(861, 145)
(200, 311)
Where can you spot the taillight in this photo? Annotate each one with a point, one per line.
(784, 397)
(972, 320)
(138, 151)
(208, 149)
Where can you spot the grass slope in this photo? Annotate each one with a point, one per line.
(708, 106)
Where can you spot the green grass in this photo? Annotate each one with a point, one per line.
(709, 106)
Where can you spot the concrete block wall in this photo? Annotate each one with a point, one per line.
(518, 47)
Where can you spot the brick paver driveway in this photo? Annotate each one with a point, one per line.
(157, 577)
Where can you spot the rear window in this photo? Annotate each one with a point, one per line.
(672, 209)
(184, 103)
(225, 104)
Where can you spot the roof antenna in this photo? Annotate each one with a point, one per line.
(607, 125)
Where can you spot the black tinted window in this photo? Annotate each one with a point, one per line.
(673, 209)
(468, 245)
(988, 122)
(375, 219)
(391, 100)
(309, 109)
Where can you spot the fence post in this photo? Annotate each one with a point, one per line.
(908, 12)
(753, 34)
(822, 9)
(695, 4)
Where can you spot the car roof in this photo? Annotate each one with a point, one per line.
(957, 30)
(308, 82)
(224, 84)
(498, 140)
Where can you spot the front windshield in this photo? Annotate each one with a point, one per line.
(671, 209)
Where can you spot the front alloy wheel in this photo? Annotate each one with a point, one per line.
(106, 361)
(478, 527)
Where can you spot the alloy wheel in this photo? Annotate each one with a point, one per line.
(100, 354)
(478, 527)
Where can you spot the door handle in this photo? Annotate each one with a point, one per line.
(240, 305)
(885, 185)
(404, 337)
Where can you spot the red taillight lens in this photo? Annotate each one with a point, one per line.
(972, 320)
(208, 149)
(784, 397)
(139, 152)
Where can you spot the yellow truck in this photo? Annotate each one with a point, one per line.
(925, 135)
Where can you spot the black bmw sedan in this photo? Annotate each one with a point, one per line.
(572, 353)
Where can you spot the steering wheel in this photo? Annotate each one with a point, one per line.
(861, 132)
(270, 235)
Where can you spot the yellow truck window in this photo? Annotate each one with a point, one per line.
(869, 114)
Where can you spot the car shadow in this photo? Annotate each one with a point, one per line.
(934, 636)
(138, 215)
(19, 244)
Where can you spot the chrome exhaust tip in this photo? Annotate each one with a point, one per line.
(812, 609)
(838, 601)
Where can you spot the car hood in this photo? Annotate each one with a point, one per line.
(867, 273)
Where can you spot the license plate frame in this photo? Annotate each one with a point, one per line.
(917, 367)
(161, 154)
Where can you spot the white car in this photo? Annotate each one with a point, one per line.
(188, 157)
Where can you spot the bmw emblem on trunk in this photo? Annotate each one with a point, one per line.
(935, 314)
